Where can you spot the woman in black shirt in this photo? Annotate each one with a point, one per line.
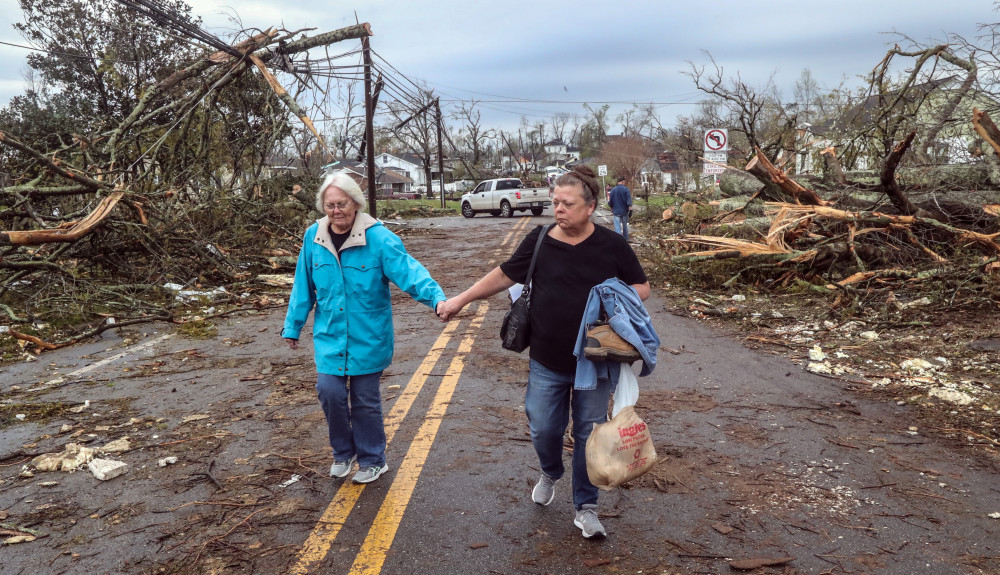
(575, 256)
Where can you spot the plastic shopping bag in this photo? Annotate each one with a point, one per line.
(621, 449)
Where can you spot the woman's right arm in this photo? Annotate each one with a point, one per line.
(490, 284)
(301, 299)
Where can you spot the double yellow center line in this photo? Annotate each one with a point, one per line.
(383, 530)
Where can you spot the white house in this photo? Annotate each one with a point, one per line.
(407, 165)
(557, 152)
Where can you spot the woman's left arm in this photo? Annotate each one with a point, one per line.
(643, 290)
(407, 273)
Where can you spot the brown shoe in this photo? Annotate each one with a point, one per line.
(603, 344)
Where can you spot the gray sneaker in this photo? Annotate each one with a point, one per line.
(544, 491)
(586, 519)
(342, 468)
(369, 474)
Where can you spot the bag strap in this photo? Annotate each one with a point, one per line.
(534, 254)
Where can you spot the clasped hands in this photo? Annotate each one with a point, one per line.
(448, 309)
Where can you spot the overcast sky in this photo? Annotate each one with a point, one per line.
(564, 53)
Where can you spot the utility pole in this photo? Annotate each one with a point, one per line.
(437, 104)
(369, 127)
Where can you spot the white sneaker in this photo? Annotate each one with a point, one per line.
(544, 491)
(340, 469)
(586, 519)
(369, 474)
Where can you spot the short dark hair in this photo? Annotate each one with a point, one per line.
(587, 179)
(620, 180)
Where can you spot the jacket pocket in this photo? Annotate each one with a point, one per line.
(327, 278)
(366, 286)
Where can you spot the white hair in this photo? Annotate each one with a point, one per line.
(346, 184)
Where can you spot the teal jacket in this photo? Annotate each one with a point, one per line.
(352, 325)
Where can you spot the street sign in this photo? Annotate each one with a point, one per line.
(602, 170)
(716, 140)
(717, 157)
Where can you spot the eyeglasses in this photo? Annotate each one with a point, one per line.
(338, 206)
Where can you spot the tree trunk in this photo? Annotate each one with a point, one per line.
(985, 127)
(761, 167)
(833, 172)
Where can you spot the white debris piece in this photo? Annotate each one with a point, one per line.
(916, 365)
(294, 479)
(739, 297)
(195, 417)
(73, 456)
(105, 469)
(166, 461)
(80, 408)
(117, 446)
(918, 302)
(869, 335)
(995, 515)
(820, 368)
(951, 396)
(816, 353)
(20, 417)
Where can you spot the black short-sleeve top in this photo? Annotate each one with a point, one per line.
(561, 283)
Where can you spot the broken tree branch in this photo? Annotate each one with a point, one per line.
(790, 186)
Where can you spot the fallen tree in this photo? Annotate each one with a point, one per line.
(170, 184)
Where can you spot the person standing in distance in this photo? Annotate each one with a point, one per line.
(620, 200)
(346, 263)
(575, 255)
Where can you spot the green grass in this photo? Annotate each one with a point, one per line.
(406, 204)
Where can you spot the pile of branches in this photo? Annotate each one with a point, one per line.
(851, 247)
(173, 189)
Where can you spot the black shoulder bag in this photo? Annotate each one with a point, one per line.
(515, 331)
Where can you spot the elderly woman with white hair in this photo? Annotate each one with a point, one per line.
(346, 263)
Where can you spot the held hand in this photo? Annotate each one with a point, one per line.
(448, 309)
(292, 343)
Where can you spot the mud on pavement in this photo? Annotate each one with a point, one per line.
(762, 465)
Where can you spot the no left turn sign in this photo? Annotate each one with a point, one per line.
(716, 140)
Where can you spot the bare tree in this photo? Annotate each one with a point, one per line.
(625, 157)
(473, 133)
(419, 133)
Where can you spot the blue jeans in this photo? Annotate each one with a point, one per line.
(547, 402)
(621, 226)
(356, 428)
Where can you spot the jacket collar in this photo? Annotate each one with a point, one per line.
(362, 221)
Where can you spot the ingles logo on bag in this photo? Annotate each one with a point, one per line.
(632, 430)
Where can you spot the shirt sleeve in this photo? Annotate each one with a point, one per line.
(516, 267)
(629, 269)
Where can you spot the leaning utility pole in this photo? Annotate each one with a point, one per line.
(369, 127)
(437, 104)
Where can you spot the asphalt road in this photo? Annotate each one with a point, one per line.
(758, 458)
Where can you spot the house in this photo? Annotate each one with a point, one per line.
(388, 180)
(407, 165)
(558, 153)
(662, 173)
(951, 145)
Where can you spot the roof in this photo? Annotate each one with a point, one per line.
(342, 163)
(391, 176)
(667, 161)
(864, 113)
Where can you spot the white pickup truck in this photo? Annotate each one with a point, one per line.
(504, 196)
